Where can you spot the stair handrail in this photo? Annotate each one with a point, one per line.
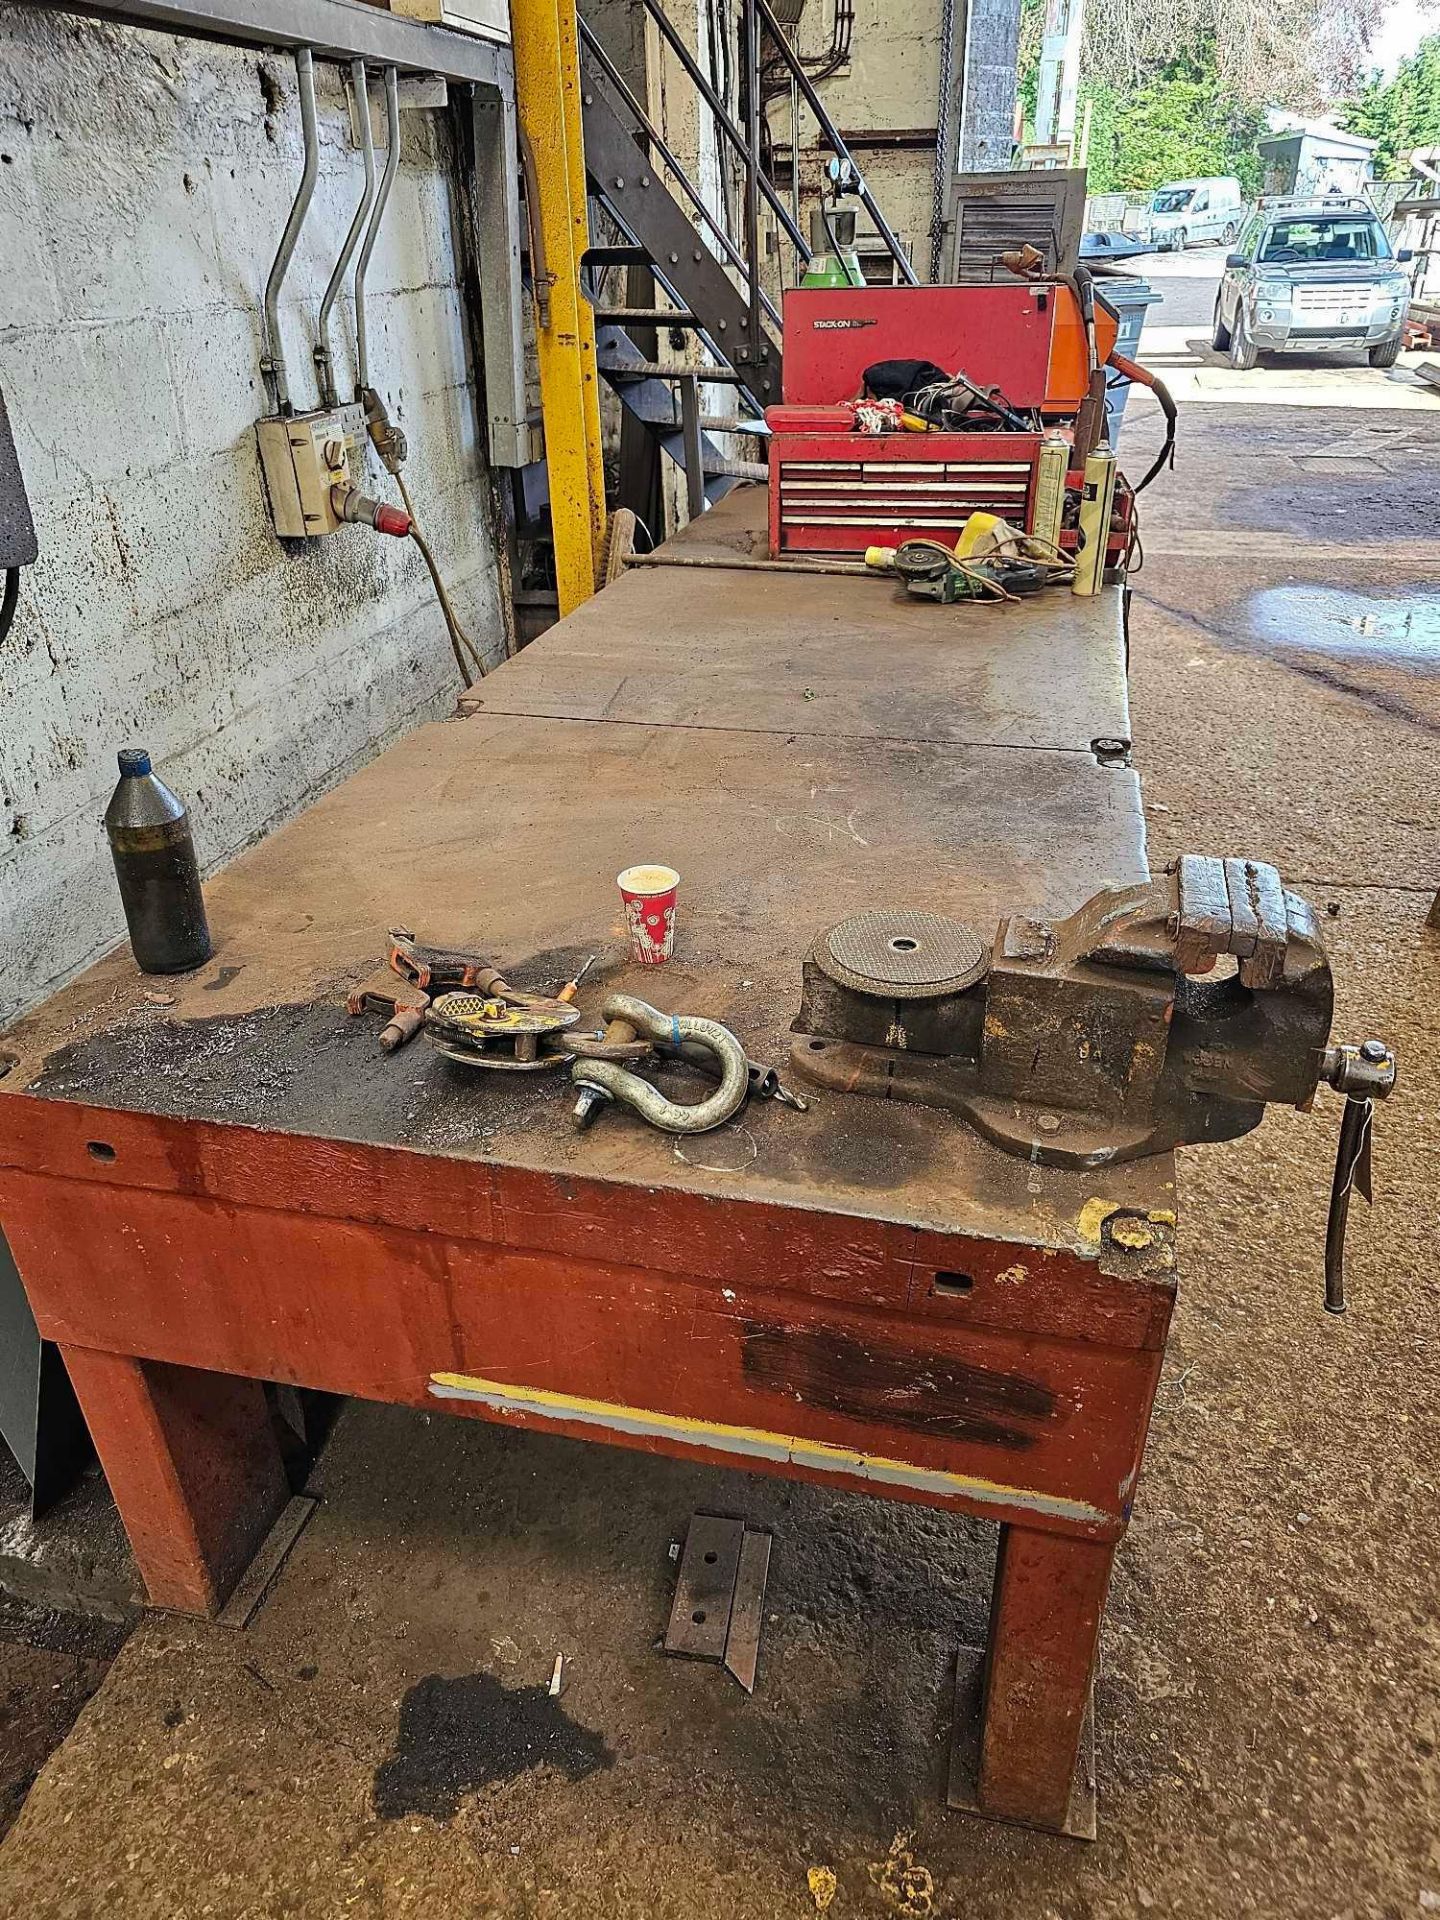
(672, 165)
(723, 117)
(829, 130)
(764, 17)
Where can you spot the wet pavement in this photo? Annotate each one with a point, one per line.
(381, 1741)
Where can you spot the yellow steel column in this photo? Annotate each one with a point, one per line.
(580, 230)
(547, 98)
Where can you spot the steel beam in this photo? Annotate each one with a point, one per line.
(577, 185)
(336, 29)
(548, 97)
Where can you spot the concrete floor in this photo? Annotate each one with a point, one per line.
(380, 1741)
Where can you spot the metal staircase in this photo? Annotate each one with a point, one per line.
(712, 279)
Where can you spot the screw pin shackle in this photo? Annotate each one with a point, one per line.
(1364, 1074)
(672, 1034)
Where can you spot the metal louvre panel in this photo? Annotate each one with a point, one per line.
(990, 212)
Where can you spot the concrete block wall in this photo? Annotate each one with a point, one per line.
(144, 181)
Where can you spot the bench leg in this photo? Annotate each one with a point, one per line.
(193, 1464)
(1040, 1658)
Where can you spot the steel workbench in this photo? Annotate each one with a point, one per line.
(240, 1188)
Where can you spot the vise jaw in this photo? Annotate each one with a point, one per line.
(1105, 1036)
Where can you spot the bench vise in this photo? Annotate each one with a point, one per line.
(1102, 1037)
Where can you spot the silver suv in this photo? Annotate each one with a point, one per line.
(1311, 274)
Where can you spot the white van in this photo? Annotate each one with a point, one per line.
(1188, 211)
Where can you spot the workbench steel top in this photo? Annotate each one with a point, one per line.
(799, 748)
(835, 655)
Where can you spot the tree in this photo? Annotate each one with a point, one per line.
(1180, 124)
(1265, 53)
(1279, 53)
(1402, 113)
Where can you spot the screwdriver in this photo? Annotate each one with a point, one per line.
(568, 992)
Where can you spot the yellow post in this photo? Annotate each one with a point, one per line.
(547, 98)
(580, 231)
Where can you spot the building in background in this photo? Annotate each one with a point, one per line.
(921, 90)
(1313, 157)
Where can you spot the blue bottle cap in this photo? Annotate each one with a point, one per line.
(134, 760)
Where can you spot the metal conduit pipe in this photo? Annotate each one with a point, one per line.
(372, 232)
(272, 351)
(324, 364)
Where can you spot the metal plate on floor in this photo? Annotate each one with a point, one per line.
(256, 1580)
(700, 1616)
(747, 1611)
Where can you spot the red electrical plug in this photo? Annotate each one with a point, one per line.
(359, 507)
(392, 520)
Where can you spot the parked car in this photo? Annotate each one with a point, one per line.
(1110, 246)
(1188, 211)
(1310, 275)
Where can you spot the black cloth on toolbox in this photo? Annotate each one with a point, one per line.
(902, 379)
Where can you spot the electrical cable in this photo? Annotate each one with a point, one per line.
(9, 599)
(458, 636)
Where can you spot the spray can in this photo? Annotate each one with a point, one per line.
(149, 834)
(1051, 470)
(1097, 508)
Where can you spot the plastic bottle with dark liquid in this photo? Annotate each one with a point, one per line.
(149, 834)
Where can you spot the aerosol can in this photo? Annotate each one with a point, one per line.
(1097, 508)
(1050, 474)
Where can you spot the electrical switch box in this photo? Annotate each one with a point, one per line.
(490, 19)
(305, 457)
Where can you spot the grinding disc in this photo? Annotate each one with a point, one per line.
(903, 954)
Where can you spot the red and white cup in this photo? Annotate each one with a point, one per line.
(649, 896)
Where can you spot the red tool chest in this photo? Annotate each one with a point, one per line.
(843, 492)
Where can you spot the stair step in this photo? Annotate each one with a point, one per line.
(622, 155)
(736, 470)
(647, 317)
(661, 370)
(616, 257)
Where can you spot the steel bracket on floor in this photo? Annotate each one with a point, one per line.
(720, 1596)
